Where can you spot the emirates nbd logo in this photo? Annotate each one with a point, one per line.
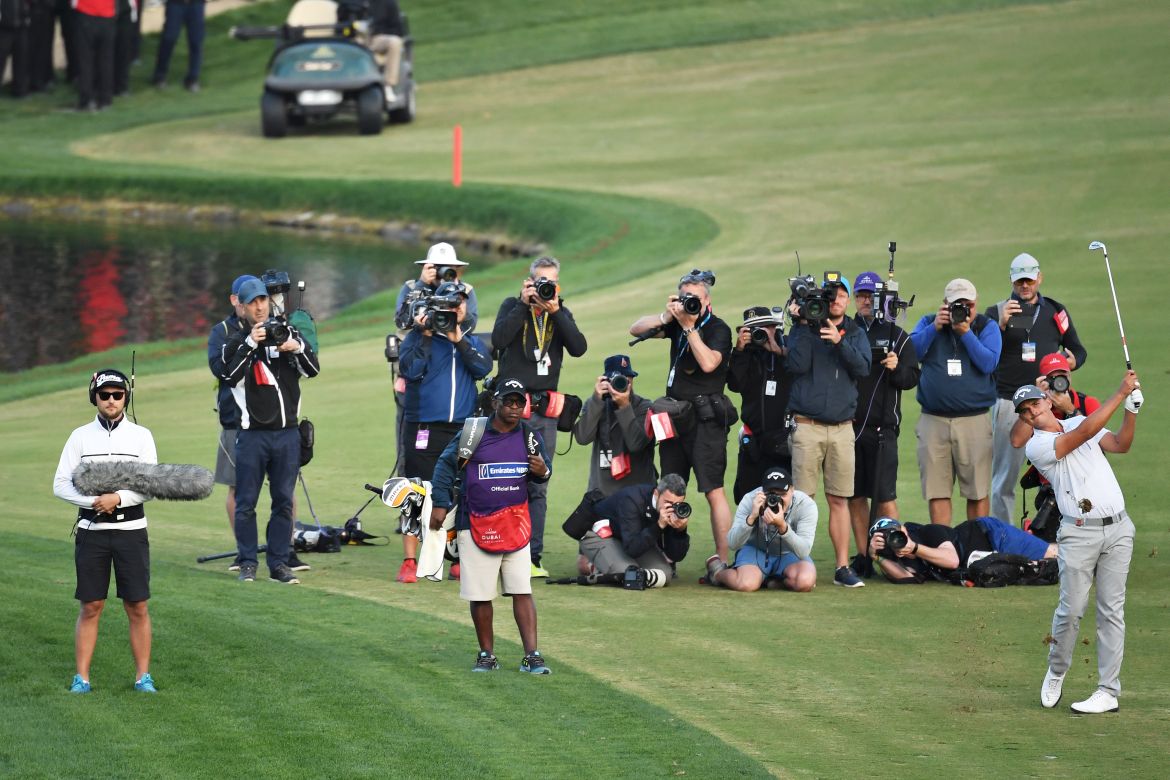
(502, 470)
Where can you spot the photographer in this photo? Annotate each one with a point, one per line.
(827, 358)
(644, 526)
(773, 535)
(878, 420)
(700, 345)
(757, 373)
(612, 419)
(534, 330)
(911, 553)
(441, 365)
(264, 366)
(958, 354)
(111, 528)
(1031, 326)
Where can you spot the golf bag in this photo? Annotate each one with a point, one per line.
(1000, 569)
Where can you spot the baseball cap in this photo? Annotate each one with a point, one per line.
(776, 479)
(1024, 266)
(867, 281)
(109, 377)
(959, 289)
(760, 315)
(441, 253)
(251, 289)
(1026, 393)
(884, 524)
(239, 282)
(620, 364)
(510, 387)
(1054, 362)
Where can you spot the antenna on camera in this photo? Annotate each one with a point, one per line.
(133, 358)
(797, 253)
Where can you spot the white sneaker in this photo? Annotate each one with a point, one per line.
(1051, 689)
(1100, 701)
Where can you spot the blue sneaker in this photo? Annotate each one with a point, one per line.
(846, 577)
(145, 684)
(533, 663)
(485, 662)
(79, 685)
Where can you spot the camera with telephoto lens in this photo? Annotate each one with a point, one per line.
(893, 536)
(446, 273)
(546, 289)
(959, 312)
(618, 381)
(636, 578)
(758, 337)
(441, 314)
(1058, 383)
(682, 510)
(691, 303)
(276, 332)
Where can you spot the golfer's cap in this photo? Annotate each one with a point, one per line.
(1054, 362)
(108, 377)
(756, 316)
(441, 253)
(251, 290)
(866, 281)
(959, 290)
(1024, 266)
(777, 480)
(239, 282)
(620, 364)
(510, 387)
(1026, 393)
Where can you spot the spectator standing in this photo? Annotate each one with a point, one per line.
(613, 421)
(958, 353)
(95, 29)
(15, 34)
(181, 14)
(126, 25)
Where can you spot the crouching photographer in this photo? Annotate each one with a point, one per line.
(773, 535)
(641, 526)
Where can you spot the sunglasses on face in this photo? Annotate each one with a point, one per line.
(514, 401)
(106, 395)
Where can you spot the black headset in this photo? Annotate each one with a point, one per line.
(105, 375)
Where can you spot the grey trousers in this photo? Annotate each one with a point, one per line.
(608, 557)
(1084, 550)
(1006, 462)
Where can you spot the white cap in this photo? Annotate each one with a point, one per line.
(441, 253)
(1024, 266)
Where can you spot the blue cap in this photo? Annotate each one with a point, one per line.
(867, 281)
(239, 282)
(251, 289)
(619, 364)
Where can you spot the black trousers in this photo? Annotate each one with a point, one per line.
(95, 60)
(124, 30)
(14, 45)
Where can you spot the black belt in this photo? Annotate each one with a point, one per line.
(120, 515)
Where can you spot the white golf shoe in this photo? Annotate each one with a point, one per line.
(1100, 701)
(1052, 688)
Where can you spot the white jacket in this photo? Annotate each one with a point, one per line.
(95, 443)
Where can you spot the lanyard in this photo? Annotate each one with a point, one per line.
(542, 329)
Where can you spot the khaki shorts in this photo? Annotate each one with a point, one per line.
(480, 572)
(827, 448)
(950, 447)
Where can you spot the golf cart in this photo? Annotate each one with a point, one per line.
(327, 61)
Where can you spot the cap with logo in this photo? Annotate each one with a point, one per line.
(107, 377)
(619, 364)
(959, 290)
(884, 524)
(866, 281)
(1024, 266)
(441, 253)
(510, 387)
(250, 290)
(758, 316)
(776, 480)
(1054, 362)
(1026, 393)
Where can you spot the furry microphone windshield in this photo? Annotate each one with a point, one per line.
(174, 481)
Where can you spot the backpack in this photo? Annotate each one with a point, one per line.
(303, 322)
(1000, 569)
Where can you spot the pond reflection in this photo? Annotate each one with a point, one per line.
(79, 287)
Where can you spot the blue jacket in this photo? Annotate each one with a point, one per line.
(440, 376)
(826, 375)
(977, 351)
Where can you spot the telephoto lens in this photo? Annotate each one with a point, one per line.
(691, 303)
(619, 381)
(773, 501)
(276, 332)
(759, 337)
(1059, 383)
(959, 312)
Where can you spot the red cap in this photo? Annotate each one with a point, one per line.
(1054, 362)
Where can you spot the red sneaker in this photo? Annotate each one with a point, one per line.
(409, 571)
(454, 573)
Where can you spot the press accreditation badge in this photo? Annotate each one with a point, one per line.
(670, 378)
(954, 367)
(603, 459)
(770, 387)
(1029, 352)
(421, 438)
(543, 362)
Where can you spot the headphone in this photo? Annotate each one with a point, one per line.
(104, 376)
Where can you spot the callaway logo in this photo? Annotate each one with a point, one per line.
(502, 470)
(773, 476)
(466, 452)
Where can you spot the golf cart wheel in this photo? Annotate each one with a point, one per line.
(404, 115)
(273, 116)
(369, 110)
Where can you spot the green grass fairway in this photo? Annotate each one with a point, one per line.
(639, 140)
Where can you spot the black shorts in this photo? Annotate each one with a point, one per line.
(128, 551)
(702, 448)
(421, 462)
(866, 465)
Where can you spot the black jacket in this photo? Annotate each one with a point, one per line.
(634, 521)
(749, 374)
(1049, 329)
(514, 333)
(217, 340)
(266, 384)
(879, 395)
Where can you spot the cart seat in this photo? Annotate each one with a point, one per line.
(305, 13)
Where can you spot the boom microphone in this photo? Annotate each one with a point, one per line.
(169, 481)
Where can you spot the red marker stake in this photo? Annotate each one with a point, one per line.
(457, 157)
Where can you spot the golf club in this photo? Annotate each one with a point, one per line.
(1136, 395)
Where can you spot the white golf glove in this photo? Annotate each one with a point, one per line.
(1134, 401)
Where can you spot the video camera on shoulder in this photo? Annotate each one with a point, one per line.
(441, 313)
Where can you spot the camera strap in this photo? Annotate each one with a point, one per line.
(542, 328)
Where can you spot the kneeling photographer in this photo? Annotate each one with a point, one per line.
(644, 526)
(912, 553)
(773, 535)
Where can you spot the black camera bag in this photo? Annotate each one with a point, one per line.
(308, 439)
(682, 413)
(581, 521)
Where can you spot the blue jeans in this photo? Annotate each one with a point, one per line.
(276, 454)
(179, 15)
(1006, 538)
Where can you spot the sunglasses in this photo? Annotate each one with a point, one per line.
(514, 401)
(698, 277)
(117, 395)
